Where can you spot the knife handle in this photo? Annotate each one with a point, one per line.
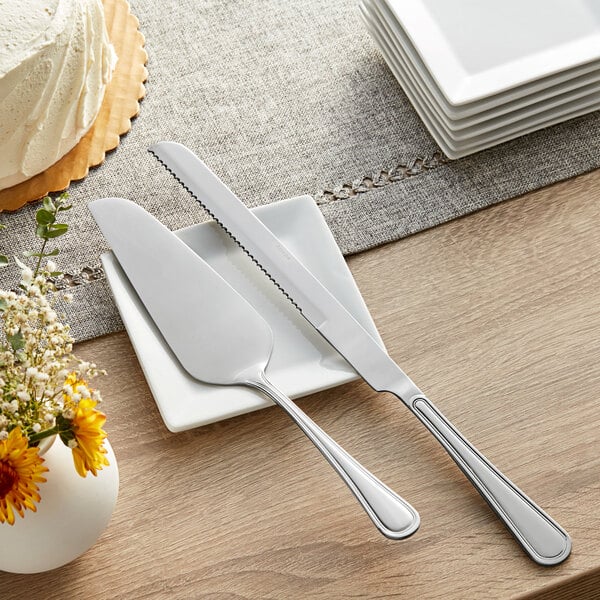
(541, 537)
(392, 515)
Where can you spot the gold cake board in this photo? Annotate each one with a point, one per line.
(120, 105)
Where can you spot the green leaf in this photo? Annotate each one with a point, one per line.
(30, 253)
(52, 230)
(48, 204)
(56, 230)
(16, 341)
(66, 207)
(44, 217)
(3, 260)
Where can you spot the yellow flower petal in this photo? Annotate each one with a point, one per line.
(21, 469)
(89, 454)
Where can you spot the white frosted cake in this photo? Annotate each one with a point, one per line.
(55, 63)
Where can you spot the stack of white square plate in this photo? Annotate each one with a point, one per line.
(482, 72)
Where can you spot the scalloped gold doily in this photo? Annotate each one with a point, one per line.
(120, 105)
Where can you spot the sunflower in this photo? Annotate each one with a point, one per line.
(21, 469)
(88, 449)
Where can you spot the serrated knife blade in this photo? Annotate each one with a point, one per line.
(544, 540)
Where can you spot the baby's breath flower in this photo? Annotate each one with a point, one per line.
(10, 407)
(68, 413)
(26, 276)
(39, 370)
(49, 316)
(83, 391)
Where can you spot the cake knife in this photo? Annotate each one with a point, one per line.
(542, 538)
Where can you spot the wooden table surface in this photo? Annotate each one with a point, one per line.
(497, 317)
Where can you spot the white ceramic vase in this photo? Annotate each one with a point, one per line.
(71, 516)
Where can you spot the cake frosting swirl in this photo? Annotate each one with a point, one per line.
(55, 63)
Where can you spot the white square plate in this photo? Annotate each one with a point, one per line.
(302, 362)
(494, 129)
(486, 118)
(477, 48)
(456, 148)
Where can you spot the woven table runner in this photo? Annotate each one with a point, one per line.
(282, 99)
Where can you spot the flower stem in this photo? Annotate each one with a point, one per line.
(39, 262)
(36, 437)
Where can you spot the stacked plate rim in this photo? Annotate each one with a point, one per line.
(480, 73)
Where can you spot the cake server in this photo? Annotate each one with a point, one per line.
(193, 306)
(544, 540)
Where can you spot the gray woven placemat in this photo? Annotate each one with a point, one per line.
(282, 99)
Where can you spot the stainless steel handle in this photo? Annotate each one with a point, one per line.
(541, 537)
(391, 514)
